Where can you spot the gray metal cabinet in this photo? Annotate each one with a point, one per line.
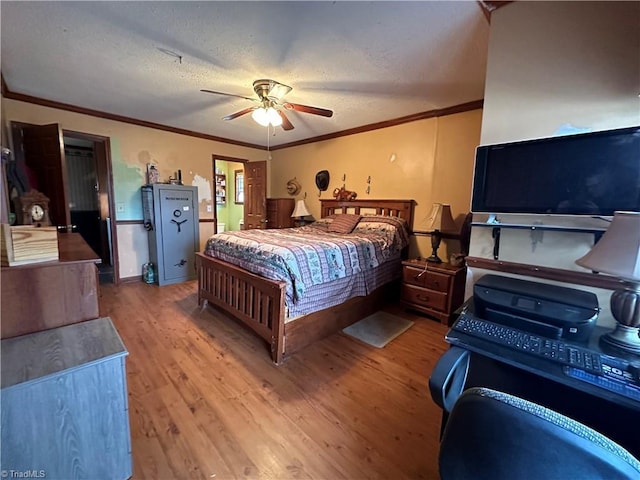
(171, 217)
(64, 404)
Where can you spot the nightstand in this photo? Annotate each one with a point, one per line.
(436, 292)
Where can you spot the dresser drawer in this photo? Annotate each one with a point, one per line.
(424, 297)
(428, 279)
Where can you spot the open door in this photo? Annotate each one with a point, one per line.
(255, 195)
(42, 149)
(44, 155)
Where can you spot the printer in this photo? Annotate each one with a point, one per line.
(539, 308)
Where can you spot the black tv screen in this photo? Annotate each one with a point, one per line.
(586, 174)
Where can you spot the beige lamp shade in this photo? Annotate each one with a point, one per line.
(440, 219)
(618, 251)
(300, 210)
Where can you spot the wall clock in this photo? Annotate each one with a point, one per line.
(32, 208)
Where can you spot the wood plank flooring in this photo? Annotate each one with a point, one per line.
(206, 402)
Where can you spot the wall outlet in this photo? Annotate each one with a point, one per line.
(209, 208)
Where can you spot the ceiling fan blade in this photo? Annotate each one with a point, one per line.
(278, 90)
(229, 95)
(307, 109)
(239, 114)
(286, 124)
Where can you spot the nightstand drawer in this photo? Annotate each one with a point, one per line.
(425, 298)
(428, 279)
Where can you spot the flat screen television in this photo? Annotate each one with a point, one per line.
(586, 174)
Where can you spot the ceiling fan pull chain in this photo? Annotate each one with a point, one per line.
(268, 142)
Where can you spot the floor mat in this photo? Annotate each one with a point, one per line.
(378, 329)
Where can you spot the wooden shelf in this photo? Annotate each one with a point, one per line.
(525, 226)
(557, 274)
(221, 188)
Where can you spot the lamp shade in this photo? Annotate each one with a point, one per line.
(440, 218)
(260, 116)
(618, 251)
(265, 116)
(274, 117)
(300, 210)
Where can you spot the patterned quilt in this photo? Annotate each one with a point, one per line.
(311, 255)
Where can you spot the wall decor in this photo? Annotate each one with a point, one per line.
(293, 187)
(343, 194)
(322, 181)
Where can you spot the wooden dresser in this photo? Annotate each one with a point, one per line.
(64, 403)
(279, 212)
(44, 295)
(437, 292)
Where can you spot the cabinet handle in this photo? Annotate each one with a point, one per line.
(423, 298)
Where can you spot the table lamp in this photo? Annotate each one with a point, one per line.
(440, 220)
(618, 254)
(300, 212)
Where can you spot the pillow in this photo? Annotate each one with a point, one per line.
(396, 221)
(321, 224)
(344, 223)
(383, 224)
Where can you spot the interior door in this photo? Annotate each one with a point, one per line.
(41, 148)
(44, 155)
(255, 195)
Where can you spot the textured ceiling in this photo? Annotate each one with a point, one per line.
(369, 62)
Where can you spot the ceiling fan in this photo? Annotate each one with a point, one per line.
(271, 106)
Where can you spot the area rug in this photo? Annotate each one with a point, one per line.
(378, 329)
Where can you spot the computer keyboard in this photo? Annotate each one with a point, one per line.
(610, 373)
(552, 349)
(623, 387)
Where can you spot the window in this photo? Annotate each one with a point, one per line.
(239, 177)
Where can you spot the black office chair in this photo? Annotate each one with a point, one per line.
(497, 436)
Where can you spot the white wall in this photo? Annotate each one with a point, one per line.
(552, 65)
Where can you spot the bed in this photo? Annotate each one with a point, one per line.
(292, 312)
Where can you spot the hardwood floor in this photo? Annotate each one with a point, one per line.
(206, 402)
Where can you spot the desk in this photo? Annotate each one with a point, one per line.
(544, 382)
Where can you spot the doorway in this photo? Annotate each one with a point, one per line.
(228, 198)
(73, 169)
(88, 200)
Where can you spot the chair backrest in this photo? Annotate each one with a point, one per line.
(494, 435)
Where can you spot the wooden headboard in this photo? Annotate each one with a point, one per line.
(394, 208)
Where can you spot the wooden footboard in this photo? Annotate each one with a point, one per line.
(256, 301)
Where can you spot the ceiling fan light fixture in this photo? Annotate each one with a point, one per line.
(271, 110)
(261, 116)
(266, 116)
(274, 117)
